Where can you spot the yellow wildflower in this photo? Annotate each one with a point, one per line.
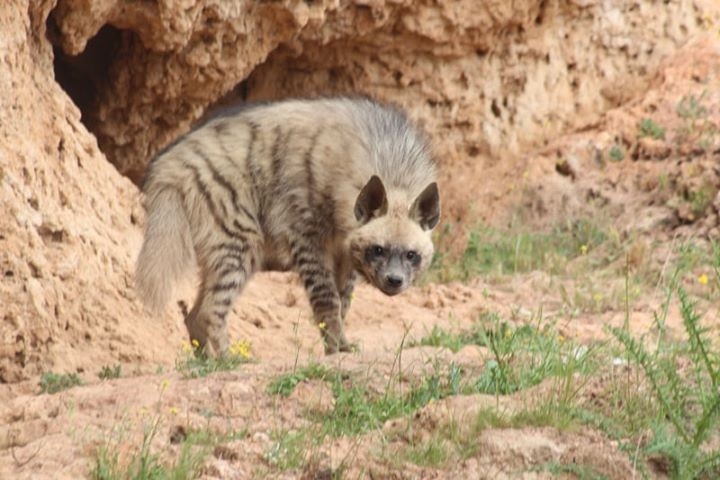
(241, 349)
(322, 325)
(173, 411)
(164, 384)
(195, 342)
(703, 279)
(583, 249)
(186, 347)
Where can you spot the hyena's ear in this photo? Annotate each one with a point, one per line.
(426, 208)
(372, 200)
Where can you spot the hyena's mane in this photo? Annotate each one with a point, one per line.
(399, 149)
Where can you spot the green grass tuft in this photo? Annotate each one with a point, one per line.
(285, 384)
(499, 252)
(616, 153)
(686, 401)
(107, 372)
(649, 128)
(55, 382)
(198, 364)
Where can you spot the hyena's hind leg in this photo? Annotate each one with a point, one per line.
(225, 271)
(322, 292)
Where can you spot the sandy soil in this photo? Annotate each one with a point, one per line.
(57, 436)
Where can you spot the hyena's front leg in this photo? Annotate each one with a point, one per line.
(225, 272)
(346, 288)
(322, 292)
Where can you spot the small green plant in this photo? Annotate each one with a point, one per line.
(698, 127)
(431, 453)
(686, 400)
(616, 153)
(525, 356)
(574, 469)
(194, 363)
(452, 441)
(357, 408)
(649, 128)
(118, 459)
(288, 450)
(54, 382)
(144, 464)
(521, 357)
(691, 108)
(285, 384)
(439, 337)
(700, 199)
(107, 372)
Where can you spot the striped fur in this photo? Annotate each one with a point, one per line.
(326, 187)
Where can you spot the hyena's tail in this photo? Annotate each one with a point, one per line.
(167, 250)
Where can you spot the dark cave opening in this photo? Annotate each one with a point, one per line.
(83, 76)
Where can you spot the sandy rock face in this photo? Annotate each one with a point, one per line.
(67, 237)
(165, 62)
(651, 164)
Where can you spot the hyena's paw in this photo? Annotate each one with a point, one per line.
(344, 348)
(353, 347)
(336, 343)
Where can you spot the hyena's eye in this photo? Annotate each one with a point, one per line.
(413, 257)
(373, 253)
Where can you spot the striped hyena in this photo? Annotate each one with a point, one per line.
(325, 187)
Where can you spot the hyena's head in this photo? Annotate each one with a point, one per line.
(393, 246)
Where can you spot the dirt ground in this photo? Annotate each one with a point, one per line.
(54, 436)
(651, 191)
(57, 436)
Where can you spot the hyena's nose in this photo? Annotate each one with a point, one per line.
(394, 280)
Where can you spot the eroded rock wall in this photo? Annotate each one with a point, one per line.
(68, 229)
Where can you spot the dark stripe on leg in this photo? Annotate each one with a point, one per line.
(322, 304)
(221, 287)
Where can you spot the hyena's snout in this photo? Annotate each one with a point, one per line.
(394, 279)
(393, 284)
